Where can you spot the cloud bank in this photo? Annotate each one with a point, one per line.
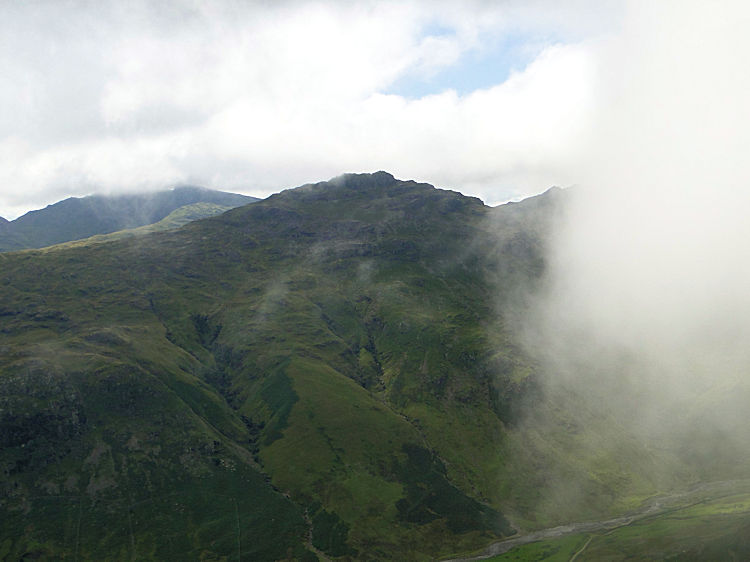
(259, 96)
(647, 307)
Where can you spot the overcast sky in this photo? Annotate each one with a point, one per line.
(485, 97)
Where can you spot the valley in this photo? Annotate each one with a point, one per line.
(708, 512)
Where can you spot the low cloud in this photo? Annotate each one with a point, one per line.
(646, 308)
(257, 97)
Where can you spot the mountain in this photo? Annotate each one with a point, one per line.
(77, 218)
(318, 355)
(177, 218)
(329, 372)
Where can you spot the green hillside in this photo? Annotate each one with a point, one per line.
(78, 218)
(319, 339)
(329, 372)
(177, 218)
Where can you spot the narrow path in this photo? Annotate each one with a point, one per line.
(572, 558)
(78, 529)
(130, 529)
(239, 536)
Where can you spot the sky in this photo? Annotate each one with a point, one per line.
(493, 99)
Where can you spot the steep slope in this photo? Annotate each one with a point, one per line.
(77, 218)
(335, 333)
(330, 369)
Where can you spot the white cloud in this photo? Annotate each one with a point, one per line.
(653, 259)
(258, 97)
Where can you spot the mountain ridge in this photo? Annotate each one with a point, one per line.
(299, 334)
(77, 218)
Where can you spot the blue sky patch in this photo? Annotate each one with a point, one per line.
(479, 68)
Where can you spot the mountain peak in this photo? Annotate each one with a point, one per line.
(375, 179)
(349, 181)
(378, 188)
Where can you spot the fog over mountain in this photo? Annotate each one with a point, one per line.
(374, 368)
(645, 304)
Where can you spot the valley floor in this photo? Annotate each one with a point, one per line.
(707, 515)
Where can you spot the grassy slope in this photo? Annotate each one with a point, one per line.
(265, 330)
(341, 340)
(177, 218)
(106, 427)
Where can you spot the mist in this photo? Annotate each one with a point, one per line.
(643, 318)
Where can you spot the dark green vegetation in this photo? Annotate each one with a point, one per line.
(328, 371)
(326, 351)
(77, 218)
